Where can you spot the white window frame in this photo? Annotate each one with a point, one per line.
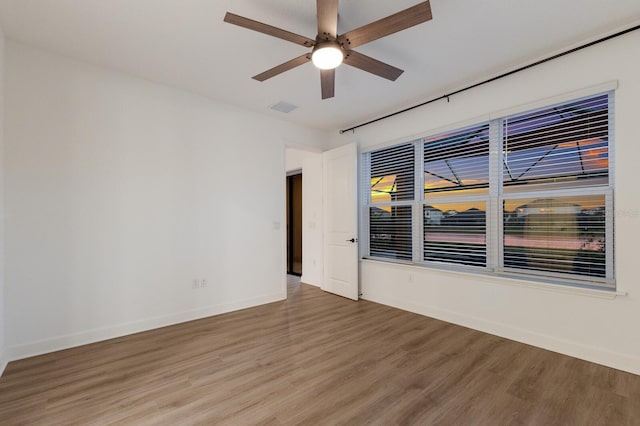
(419, 257)
(494, 201)
(365, 243)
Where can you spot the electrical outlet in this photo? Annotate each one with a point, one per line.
(203, 283)
(194, 284)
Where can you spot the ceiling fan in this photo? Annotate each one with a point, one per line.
(330, 49)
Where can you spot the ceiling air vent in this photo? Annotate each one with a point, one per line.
(283, 107)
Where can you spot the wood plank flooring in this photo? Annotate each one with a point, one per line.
(315, 359)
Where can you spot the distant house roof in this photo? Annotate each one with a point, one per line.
(546, 202)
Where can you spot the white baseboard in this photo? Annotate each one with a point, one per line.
(95, 335)
(308, 279)
(597, 355)
(3, 362)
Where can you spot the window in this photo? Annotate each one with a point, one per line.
(527, 194)
(391, 192)
(456, 188)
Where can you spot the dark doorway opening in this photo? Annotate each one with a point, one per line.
(294, 224)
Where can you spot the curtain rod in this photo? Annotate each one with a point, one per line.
(498, 77)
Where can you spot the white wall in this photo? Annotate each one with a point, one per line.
(3, 360)
(600, 330)
(119, 192)
(293, 159)
(312, 240)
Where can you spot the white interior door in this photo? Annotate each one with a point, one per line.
(341, 221)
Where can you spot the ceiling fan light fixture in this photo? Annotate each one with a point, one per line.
(331, 49)
(327, 56)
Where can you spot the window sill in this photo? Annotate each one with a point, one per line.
(504, 278)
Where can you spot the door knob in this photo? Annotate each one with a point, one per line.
(353, 240)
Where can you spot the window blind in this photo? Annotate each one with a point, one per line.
(456, 233)
(558, 235)
(391, 190)
(540, 206)
(457, 160)
(390, 232)
(564, 145)
(456, 166)
(392, 174)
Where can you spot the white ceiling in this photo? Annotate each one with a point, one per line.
(186, 44)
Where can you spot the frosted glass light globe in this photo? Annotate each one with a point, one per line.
(327, 56)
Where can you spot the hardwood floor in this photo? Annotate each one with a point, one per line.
(315, 359)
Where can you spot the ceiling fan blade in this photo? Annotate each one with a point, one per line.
(268, 29)
(279, 69)
(327, 83)
(327, 12)
(391, 24)
(374, 66)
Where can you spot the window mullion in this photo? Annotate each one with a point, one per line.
(609, 235)
(610, 202)
(611, 145)
(495, 224)
(418, 219)
(366, 202)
